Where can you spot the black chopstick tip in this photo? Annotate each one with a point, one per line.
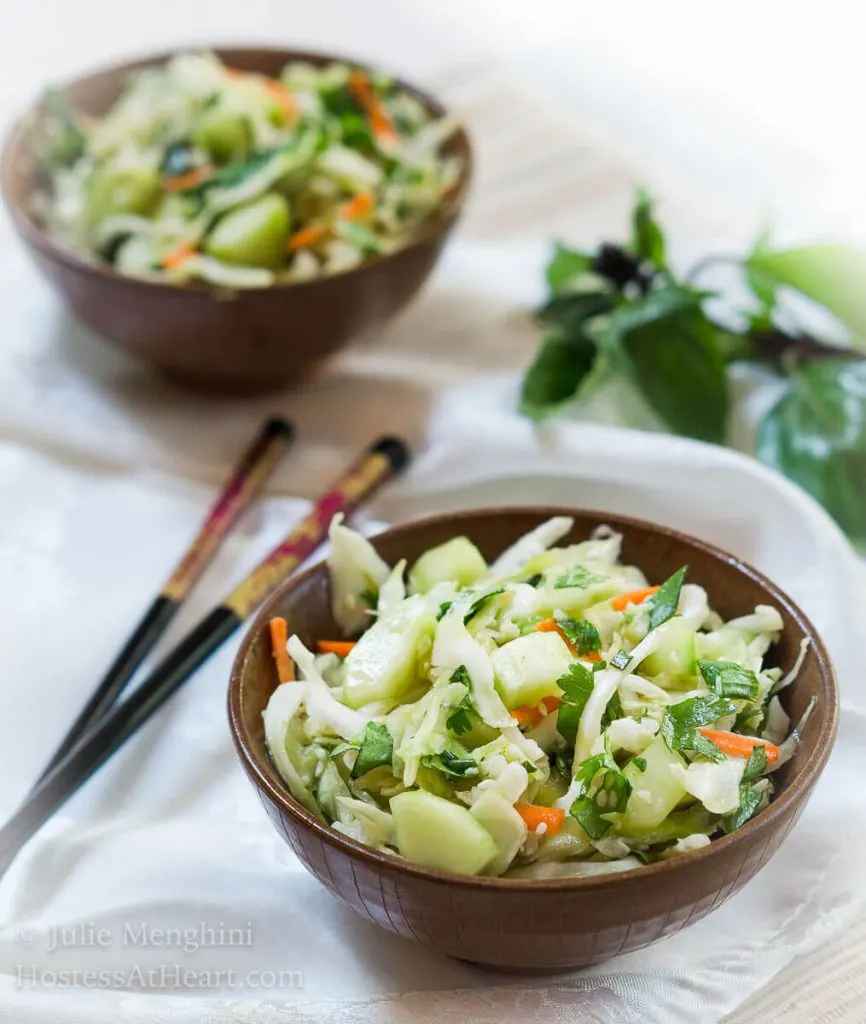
(395, 450)
(276, 426)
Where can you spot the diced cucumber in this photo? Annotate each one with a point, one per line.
(655, 789)
(527, 668)
(553, 787)
(568, 843)
(576, 599)
(679, 825)
(439, 834)
(457, 561)
(434, 782)
(385, 662)
(479, 732)
(674, 661)
(505, 826)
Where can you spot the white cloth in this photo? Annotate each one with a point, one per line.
(170, 834)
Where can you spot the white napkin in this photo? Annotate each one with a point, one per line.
(171, 836)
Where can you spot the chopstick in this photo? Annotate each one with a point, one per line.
(245, 483)
(382, 460)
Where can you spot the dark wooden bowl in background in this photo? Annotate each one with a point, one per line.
(557, 923)
(254, 340)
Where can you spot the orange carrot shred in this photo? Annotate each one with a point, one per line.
(535, 815)
(733, 744)
(357, 207)
(619, 604)
(306, 237)
(182, 182)
(532, 715)
(177, 257)
(339, 647)
(592, 656)
(282, 97)
(378, 117)
(279, 636)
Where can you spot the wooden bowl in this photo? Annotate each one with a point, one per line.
(557, 923)
(252, 340)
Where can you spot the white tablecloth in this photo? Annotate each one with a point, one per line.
(104, 472)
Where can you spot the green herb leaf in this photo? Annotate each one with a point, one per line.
(681, 721)
(377, 749)
(459, 765)
(577, 576)
(676, 359)
(576, 688)
(566, 266)
(703, 745)
(639, 763)
(816, 436)
(479, 603)
(728, 679)
(599, 795)
(749, 720)
(533, 581)
(750, 801)
(612, 712)
(831, 275)
(369, 597)
(647, 240)
(581, 634)
(443, 610)
(361, 237)
(756, 766)
(663, 604)
(530, 767)
(460, 721)
(558, 375)
(341, 748)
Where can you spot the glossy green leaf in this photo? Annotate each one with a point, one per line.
(816, 435)
(562, 369)
(647, 239)
(565, 266)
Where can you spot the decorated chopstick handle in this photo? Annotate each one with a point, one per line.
(382, 460)
(248, 479)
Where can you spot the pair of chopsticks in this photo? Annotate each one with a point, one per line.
(106, 723)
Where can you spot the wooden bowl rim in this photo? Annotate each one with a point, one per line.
(804, 776)
(435, 226)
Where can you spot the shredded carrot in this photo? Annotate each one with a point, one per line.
(526, 715)
(380, 120)
(182, 182)
(338, 647)
(279, 635)
(356, 208)
(306, 237)
(592, 656)
(282, 97)
(177, 257)
(235, 73)
(619, 604)
(739, 746)
(535, 815)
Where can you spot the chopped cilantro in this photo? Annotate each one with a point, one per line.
(681, 721)
(728, 679)
(577, 576)
(377, 749)
(663, 604)
(459, 765)
(576, 686)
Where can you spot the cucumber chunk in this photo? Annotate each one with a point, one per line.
(253, 235)
(505, 826)
(528, 667)
(655, 790)
(457, 561)
(439, 834)
(386, 661)
(674, 661)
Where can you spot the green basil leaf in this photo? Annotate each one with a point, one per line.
(647, 240)
(728, 679)
(568, 311)
(577, 576)
(681, 721)
(565, 266)
(459, 765)
(831, 275)
(750, 801)
(460, 720)
(756, 766)
(664, 602)
(576, 688)
(377, 749)
(557, 377)
(676, 359)
(816, 436)
(581, 634)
